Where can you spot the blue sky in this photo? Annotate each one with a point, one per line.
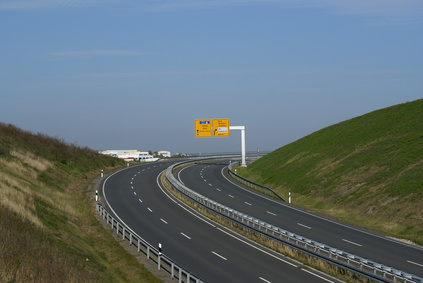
(136, 74)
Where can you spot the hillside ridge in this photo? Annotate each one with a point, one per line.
(48, 229)
(365, 171)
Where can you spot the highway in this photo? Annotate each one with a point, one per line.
(206, 249)
(211, 181)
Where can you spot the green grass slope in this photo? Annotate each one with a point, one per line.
(367, 171)
(48, 229)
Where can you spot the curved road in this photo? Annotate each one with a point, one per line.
(211, 181)
(206, 249)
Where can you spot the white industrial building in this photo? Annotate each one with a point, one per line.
(163, 153)
(130, 155)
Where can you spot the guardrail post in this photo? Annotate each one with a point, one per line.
(139, 241)
(158, 262)
(172, 271)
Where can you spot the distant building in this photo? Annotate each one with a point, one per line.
(163, 153)
(127, 154)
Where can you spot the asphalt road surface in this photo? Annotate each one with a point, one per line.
(206, 249)
(210, 180)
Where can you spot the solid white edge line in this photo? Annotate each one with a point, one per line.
(112, 210)
(177, 203)
(320, 217)
(237, 238)
(257, 248)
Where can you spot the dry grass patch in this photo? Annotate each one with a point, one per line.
(17, 196)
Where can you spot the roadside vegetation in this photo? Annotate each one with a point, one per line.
(48, 229)
(367, 171)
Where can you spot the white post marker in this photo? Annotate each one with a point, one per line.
(127, 164)
(289, 197)
(242, 128)
(101, 173)
(96, 195)
(160, 254)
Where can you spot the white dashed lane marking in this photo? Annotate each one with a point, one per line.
(302, 225)
(352, 243)
(222, 257)
(186, 236)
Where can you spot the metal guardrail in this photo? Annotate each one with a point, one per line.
(356, 264)
(252, 185)
(163, 262)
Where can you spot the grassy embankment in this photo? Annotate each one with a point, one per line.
(48, 229)
(367, 171)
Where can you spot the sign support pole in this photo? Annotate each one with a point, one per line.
(242, 128)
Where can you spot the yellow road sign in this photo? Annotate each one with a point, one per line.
(220, 127)
(203, 128)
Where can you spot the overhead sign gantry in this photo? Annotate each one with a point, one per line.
(207, 128)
